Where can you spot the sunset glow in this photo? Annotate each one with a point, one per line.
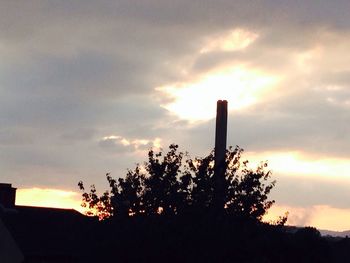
(301, 164)
(319, 216)
(88, 89)
(49, 198)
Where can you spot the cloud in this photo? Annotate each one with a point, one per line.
(312, 191)
(75, 73)
(122, 145)
(116, 143)
(79, 134)
(12, 137)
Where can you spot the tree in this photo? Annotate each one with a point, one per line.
(161, 182)
(168, 185)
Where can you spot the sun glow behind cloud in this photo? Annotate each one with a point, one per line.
(195, 100)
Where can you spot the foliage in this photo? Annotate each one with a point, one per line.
(172, 183)
(100, 206)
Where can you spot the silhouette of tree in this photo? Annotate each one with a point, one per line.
(97, 205)
(248, 192)
(162, 193)
(167, 185)
(201, 186)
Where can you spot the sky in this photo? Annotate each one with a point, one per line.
(87, 87)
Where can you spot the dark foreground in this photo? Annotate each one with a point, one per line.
(59, 235)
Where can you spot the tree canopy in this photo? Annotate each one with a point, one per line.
(172, 183)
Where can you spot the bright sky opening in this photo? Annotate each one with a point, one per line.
(196, 100)
(302, 164)
(49, 198)
(320, 216)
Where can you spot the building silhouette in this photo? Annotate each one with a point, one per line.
(40, 234)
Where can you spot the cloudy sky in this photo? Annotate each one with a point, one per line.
(86, 87)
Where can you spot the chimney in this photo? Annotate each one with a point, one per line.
(7, 195)
(220, 154)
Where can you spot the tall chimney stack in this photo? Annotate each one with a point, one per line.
(220, 154)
